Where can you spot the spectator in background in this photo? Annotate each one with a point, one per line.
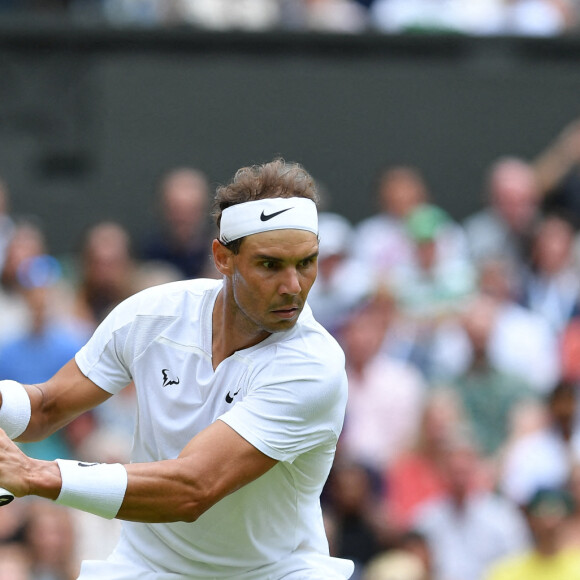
(153, 272)
(489, 395)
(323, 15)
(382, 240)
(570, 350)
(570, 533)
(468, 529)
(551, 281)
(26, 242)
(342, 282)
(483, 17)
(438, 277)
(402, 339)
(106, 273)
(183, 232)
(546, 513)
(51, 541)
(250, 15)
(435, 16)
(417, 544)
(415, 475)
(385, 395)
(538, 17)
(41, 347)
(395, 565)
(45, 340)
(12, 522)
(536, 360)
(386, 241)
(351, 516)
(544, 458)
(434, 284)
(504, 226)
(15, 561)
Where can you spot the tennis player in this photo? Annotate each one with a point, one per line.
(241, 399)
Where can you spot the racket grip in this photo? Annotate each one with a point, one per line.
(5, 496)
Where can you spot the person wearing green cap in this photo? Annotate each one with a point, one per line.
(433, 283)
(546, 512)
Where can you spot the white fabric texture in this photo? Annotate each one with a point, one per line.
(97, 488)
(264, 215)
(15, 411)
(285, 395)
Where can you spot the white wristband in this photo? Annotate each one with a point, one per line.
(97, 488)
(15, 411)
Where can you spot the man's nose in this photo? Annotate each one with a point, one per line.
(290, 283)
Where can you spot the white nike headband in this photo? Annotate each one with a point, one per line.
(264, 215)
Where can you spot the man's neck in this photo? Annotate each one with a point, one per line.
(228, 334)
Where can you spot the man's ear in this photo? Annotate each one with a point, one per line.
(222, 257)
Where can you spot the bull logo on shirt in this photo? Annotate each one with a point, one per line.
(167, 380)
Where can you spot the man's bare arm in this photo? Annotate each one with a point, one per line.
(213, 464)
(58, 401)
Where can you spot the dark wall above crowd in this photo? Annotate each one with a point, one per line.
(92, 116)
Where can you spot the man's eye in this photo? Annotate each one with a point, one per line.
(269, 265)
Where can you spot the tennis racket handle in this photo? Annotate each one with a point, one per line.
(5, 496)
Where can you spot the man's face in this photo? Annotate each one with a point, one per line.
(514, 195)
(271, 277)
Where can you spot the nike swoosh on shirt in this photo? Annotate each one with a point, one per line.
(230, 397)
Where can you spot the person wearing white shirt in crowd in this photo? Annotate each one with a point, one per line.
(469, 527)
(544, 458)
(537, 358)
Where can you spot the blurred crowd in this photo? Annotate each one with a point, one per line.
(474, 17)
(460, 454)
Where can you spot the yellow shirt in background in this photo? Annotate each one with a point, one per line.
(565, 565)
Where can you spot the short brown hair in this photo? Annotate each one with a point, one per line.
(277, 178)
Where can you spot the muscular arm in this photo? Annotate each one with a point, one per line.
(53, 404)
(58, 401)
(212, 465)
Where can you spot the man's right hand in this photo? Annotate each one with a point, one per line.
(22, 475)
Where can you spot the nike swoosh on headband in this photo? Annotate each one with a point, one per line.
(265, 217)
(254, 217)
